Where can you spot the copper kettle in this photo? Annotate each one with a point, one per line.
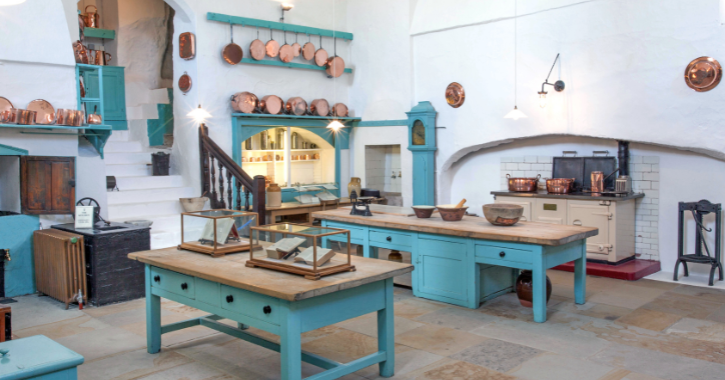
(91, 19)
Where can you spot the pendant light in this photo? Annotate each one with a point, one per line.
(515, 113)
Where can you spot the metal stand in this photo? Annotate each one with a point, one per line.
(699, 209)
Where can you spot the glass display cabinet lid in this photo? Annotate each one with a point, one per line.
(299, 229)
(219, 213)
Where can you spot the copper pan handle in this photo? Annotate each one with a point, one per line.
(108, 59)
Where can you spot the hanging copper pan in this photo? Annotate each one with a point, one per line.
(296, 47)
(271, 104)
(339, 110)
(232, 53)
(296, 106)
(257, 49)
(272, 46)
(308, 51)
(321, 55)
(245, 102)
(703, 74)
(286, 53)
(335, 65)
(185, 82)
(319, 107)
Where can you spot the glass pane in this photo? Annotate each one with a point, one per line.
(296, 228)
(418, 133)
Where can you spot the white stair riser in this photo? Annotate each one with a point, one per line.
(149, 182)
(123, 147)
(149, 195)
(119, 136)
(143, 112)
(128, 170)
(143, 210)
(128, 158)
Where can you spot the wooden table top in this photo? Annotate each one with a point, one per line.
(231, 270)
(295, 205)
(473, 227)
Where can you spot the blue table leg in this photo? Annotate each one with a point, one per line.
(386, 332)
(538, 286)
(153, 317)
(373, 252)
(580, 277)
(290, 343)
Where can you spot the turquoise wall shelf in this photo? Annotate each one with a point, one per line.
(62, 127)
(292, 65)
(277, 25)
(99, 33)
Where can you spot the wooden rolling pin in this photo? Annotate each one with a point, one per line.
(461, 203)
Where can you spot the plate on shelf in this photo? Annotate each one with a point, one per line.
(44, 111)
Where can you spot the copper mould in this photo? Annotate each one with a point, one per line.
(245, 102)
(455, 95)
(272, 46)
(232, 53)
(187, 46)
(321, 55)
(308, 50)
(24, 117)
(185, 82)
(296, 106)
(560, 185)
(257, 49)
(285, 52)
(271, 104)
(523, 185)
(703, 74)
(44, 111)
(91, 19)
(296, 47)
(319, 107)
(339, 110)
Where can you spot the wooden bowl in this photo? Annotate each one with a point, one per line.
(424, 211)
(503, 214)
(451, 213)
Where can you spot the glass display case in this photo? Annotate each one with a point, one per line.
(217, 232)
(299, 249)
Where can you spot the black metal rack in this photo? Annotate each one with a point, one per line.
(699, 209)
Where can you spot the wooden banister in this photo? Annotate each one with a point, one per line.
(213, 161)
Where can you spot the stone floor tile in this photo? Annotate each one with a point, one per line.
(127, 317)
(104, 342)
(559, 367)
(63, 328)
(457, 318)
(184, 309)
(405, 363)
(130, 365)
(508, 306)
(567, 291)
(415, 307)
(658, 364)
(344, 346)
(497, 355)
(560, 277)
(632, 300)
(191, 371)
(94, 311)
(595, 310)
(616, 374)
(717, 315)
(654, 284)
(33, 311)
(698, 329)
(707, 294)
(639, 376)
(449, 369)
(649, 319)
(680, 304)
(368, 325)
(438, 340)
(175, 337)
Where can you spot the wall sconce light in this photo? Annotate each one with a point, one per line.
(285, 7)
(335, 125)
(558, 85)
(199, 114)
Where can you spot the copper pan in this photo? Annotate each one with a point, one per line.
(286, 53)
(321, 55)
(24, 117)
(257, 49)
(335, 66)
(524, 185)
(339, 110)
(296, 47)
(271, 104)
(5, 107)
(245, 102)
(560, 185)
(272, 46)
(319, 107)
(308, 50)
(296, 106)
(232, 53)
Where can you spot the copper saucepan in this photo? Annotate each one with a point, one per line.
(321, 55)
(286, 52)
(257, 49)
(319, 107)
(296, 47)
(272, 46)
(560, 185)
(232, 53)
(335, 65)
(245, 102)
(296, 106)
(271, 104)
(308, 50)
(340, 110)
(523, 185)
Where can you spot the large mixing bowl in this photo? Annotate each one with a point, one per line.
(503, 214)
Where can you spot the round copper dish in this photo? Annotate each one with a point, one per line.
(245, 102)
(44, 111)
(339, 110)
(296, 106)
(703, 74)
(455, 95)
(271, 104)
(319, 107)
(185, 82)
(272, 46)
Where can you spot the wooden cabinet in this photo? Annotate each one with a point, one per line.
(114, 95)
(47, 185)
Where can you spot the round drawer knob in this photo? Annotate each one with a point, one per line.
(502, 254)
(157, 278)
(230, 298)
(389, 238)
(267, 309)
(184, 286)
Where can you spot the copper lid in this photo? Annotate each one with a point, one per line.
(319, 107)
(271, 104)
(296, 49)
(232, 54)
(339, 110)
(335, 66)
(308, 51)
(245, 102)
(455, 95)
(257, 49)
(272, 48)
(703, 74)
(321, 57)
(296, 106)
(286, 53)
(185, 83)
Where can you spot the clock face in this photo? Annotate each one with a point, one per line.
(418, 133)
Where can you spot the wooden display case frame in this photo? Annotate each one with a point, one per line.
(215, 250)
(311, 274)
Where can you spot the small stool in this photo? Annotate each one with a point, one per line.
(37, 357)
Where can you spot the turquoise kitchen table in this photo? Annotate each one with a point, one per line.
(38, 357)
(279, 303)
(470, 261)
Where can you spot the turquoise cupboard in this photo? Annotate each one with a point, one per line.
(114, 95)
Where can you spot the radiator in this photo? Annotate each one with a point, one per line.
(60, 265)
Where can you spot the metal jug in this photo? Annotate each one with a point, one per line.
(98, 55)
(91, 19)
(597, 182)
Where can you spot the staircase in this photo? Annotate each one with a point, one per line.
(141, 195)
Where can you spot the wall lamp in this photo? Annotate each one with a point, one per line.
(558, 85)
(285, 7)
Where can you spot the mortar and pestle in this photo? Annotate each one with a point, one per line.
(453, 213)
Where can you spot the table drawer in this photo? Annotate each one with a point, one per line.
(257, 306)
(391, 238)
(173, 282)
(503, 254)
(355, 232)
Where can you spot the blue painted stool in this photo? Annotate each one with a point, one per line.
(38, 357)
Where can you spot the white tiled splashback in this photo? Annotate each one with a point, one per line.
(381, 161)
(645, 173)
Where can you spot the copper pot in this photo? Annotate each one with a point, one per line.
(321, 55)
(257, 49)
(319, 107)
(560, 185)
(286, 52)
(245, 102)
(296, 47)
(271, 104)
(272, 46)
(308, 50)
(339, 110)
(335, 65)
(72, 118)
(296, 106)
(23, 117)
(232, 53)
(91, 19)
(523, 185)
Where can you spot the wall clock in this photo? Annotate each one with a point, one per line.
(418, 133)
(703, 74)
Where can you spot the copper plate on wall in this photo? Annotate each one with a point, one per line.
(187, 45)
(44, 111)
(703, 74)
(455, 95)
(185, 83)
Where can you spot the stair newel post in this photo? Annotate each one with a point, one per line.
(229, 189)
(221, 184)
(259, 198)
(204, 159)
(213, 183)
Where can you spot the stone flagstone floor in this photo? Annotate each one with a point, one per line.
(644, 330)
